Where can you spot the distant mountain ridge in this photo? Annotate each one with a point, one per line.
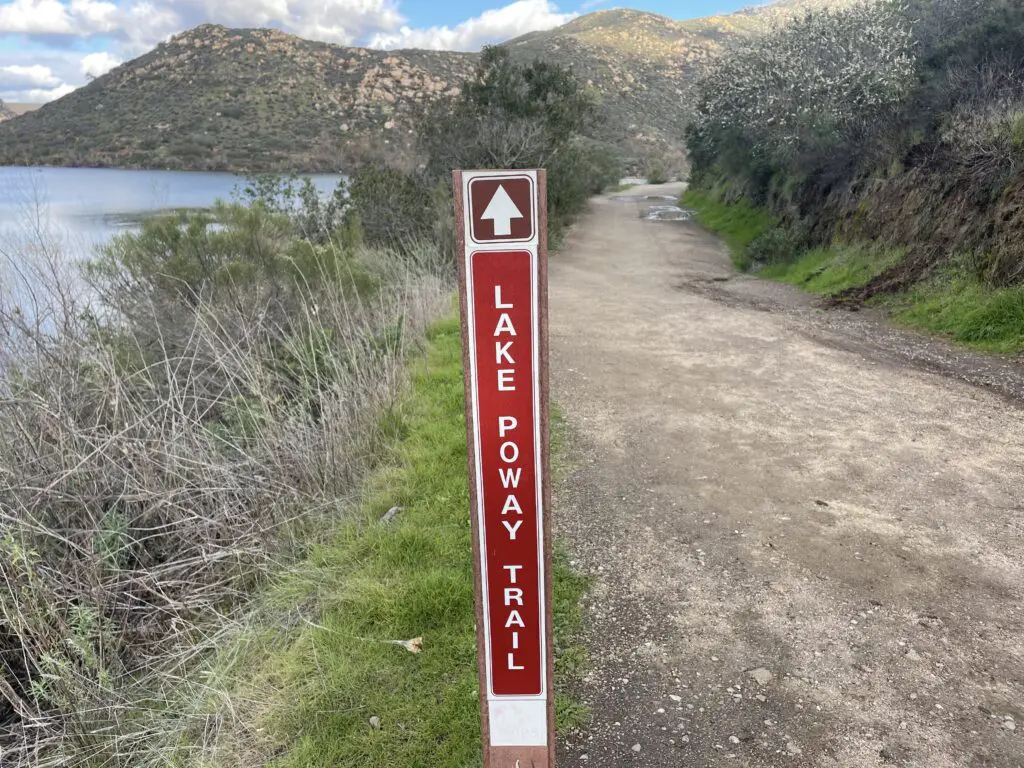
(214, 98)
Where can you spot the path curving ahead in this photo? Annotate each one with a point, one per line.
(807, 547)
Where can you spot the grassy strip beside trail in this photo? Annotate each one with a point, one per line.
(989, 319)
(952, 304)
(738, 224)
(412, 578)
(828, 271)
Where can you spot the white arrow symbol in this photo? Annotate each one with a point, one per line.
(501, 210)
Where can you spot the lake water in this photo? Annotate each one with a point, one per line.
(86, 206)
(51, 214)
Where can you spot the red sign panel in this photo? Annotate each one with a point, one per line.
(504, 338)
(501, 209)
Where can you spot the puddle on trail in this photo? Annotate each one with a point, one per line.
(645, 198)
(667, 213)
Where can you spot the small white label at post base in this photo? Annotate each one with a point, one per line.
(519, 723)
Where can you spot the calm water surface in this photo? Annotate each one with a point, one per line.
(86, 206)
(53, 218)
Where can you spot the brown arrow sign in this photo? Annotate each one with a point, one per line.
(502, 210)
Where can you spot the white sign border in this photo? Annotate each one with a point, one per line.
(530, 176)
(514, 720)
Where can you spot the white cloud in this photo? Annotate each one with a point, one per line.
(147, 22)
(35, 17)
(491, 26)
(339, 21)
(97, 64)
(144, 24)
(41, 95)
(17, 77)
(140, 24)
(95, 16)
(35, 95)
(48, 69)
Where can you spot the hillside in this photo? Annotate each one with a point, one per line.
(6, 113)
(217, 98)
(258, 99)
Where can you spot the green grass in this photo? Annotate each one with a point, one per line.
(953, 305)
(965, 311)
(828, 271)
(738, 224)
(410, 579)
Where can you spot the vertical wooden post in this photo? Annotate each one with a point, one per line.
(501, 245)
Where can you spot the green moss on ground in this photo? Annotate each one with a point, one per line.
(964, 310)
(832, 270)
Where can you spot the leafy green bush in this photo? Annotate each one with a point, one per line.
(655, 172)
(822, 75)
(316, 217)
(814, 118)
(167, 452)
(778, 245)
(522, 116)
(396, 209)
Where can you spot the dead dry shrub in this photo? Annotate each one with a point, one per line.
(166, 449)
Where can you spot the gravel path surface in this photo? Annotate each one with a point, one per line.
(805, 528)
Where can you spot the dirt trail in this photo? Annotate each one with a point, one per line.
(806, 549)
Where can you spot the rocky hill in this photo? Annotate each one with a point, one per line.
(258, 99)
(217, 98)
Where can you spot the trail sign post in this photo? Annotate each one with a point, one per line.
(502, 247)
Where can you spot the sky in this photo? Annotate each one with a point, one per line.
(50, 47)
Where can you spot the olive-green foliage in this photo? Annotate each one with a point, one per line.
(394, 208)
(314, 216)
(509, 116)
(540, 93)
(514, 115)
(778, 245)
(165, 453)
(247, 257)
(957, 119)
(655, 171)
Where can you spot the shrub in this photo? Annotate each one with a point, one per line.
(522, 116)
(655, 172)
(395, 209)
(778, 245)
(819, 75)
(166, 451)
(314, 215)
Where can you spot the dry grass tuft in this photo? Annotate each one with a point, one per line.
(166, 448)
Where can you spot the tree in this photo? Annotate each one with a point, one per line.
(819, 75)
(509, 115)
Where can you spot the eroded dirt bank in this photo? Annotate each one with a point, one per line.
(807, 544)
